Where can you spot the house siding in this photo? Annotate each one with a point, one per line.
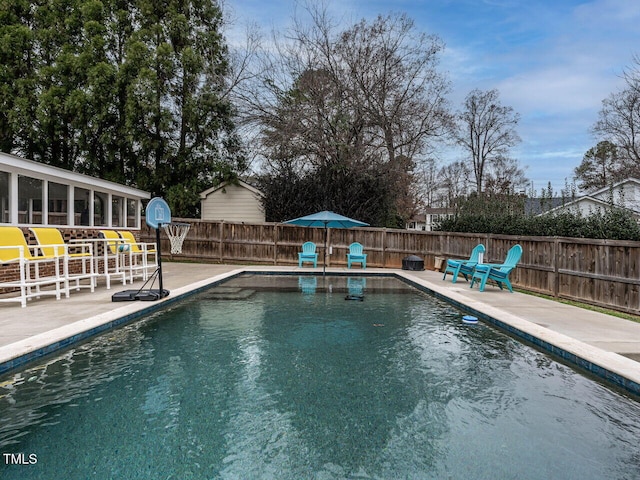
(232, 203)
(631, 196)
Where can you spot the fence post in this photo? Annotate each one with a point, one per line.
(384, 247)
(487, 248)
(275, 244)
(556, 267)
(221, 232)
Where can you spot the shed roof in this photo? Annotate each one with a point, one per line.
(211, 190)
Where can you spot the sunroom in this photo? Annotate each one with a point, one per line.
(32, 193)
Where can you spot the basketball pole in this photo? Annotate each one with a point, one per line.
(157, 214)
(161, 292)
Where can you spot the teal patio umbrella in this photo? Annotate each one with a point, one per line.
(326, 219)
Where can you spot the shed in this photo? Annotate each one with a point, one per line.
(232, 202)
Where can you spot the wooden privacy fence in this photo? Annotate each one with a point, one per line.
(600, 272)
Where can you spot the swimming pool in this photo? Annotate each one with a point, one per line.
(281, 377)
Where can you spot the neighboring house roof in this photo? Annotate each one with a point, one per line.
(584, 200)
(538, 205)
(240, 183)
(614, 187)
(601, 198)
(421, 216)
(439, 210)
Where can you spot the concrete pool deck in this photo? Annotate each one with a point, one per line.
(601, 340)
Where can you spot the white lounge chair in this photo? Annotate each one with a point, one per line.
(36, 269)
(48, 237)
(143, 256)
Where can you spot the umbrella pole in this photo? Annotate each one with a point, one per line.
(324, 264)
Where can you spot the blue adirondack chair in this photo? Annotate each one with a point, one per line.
(499, 273)
(355, 255)
(308, 254)
(464, 267)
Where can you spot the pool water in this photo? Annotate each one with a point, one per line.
(280, 377)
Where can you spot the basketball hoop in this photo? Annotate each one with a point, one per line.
(176, 233)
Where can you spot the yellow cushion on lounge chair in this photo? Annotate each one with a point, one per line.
(12, 241)
(13, 237)
(116, 246)
(50, 236)
(128, 237)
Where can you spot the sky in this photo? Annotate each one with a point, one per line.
(553, 61)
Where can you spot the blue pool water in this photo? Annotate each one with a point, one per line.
(282, 378)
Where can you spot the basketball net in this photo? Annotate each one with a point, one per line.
(176, 233)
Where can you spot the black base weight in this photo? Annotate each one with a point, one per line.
(141, 295)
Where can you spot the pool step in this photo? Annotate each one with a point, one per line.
(229, 293)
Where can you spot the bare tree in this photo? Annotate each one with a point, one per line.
(486, 129)
(619, 119)
(366, 100)
(391, 73)
(454, 177)
(427, 182)
(505, 177)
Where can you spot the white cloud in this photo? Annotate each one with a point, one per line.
(556, 89)
(624, 13)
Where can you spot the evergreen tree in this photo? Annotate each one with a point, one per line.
(16, 68)
(601, 166)
(132, 92)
